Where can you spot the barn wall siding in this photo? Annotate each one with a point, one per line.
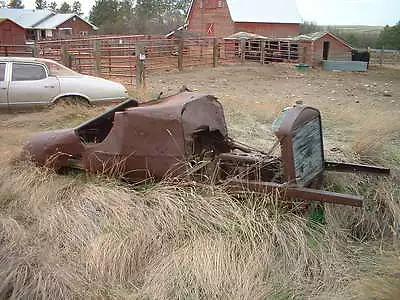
(11, 33)
(201, 18)
(273, 30)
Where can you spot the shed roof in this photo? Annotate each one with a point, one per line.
(316, 36)
(263, 11)
(247, 36)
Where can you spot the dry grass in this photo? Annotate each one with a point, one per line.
(64, 237)
(79, 236)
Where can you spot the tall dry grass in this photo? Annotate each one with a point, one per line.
(81, 237)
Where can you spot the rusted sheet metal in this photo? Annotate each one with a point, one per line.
(137, 141)
(53, 148)
(167, 137)
(346, 167)
(300, 133)
(294, 192)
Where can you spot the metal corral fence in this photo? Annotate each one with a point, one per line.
(384, 57)
(129, 57)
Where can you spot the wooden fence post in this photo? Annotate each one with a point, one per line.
(381, 56)
(215, 52)
(66, 58)
(97, 57)
(140, 72)
(262, 49)
(242, 50)
(35, 50)
(180, 54)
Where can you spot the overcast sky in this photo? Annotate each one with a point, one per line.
(323, 12)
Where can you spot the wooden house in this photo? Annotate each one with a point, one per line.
(23, 25)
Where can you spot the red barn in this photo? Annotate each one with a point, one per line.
(222, 18)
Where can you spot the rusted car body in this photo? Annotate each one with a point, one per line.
(185, 136)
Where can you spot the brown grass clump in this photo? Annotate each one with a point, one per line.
(70, 237)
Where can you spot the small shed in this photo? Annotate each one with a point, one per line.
(11, 33)
(319, 46)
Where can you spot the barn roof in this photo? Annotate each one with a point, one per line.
(36, 18)
(263, 11)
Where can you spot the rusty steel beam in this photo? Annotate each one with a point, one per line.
(238, 185)
(346, 167)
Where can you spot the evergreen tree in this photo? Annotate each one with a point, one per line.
(65, 8)
(77, 8)
(40, 4)
(53, 6)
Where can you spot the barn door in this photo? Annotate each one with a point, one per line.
(325, 54)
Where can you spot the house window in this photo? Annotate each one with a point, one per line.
(83, 33)
(65, 31)
(220, 3)
(201, 3)
(49, 33)
(23, 72)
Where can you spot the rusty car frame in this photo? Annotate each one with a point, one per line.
(185, 136)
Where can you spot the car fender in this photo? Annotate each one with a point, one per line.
(55, 99)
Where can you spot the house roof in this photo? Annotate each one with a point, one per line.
(263, 11)
(24, 17)
(57, 19)
(37, 18)
(6, 19)
(316, 36)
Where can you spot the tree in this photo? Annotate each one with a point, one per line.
(40, 4)
(77, 8)
(309, 27)
(104, 11)
(159, 16)
(65, 8)
(146, 16)
(53, 6)
(3, 3)
(390, 37)
(15, 4)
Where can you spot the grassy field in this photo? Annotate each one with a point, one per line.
(82, 236)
